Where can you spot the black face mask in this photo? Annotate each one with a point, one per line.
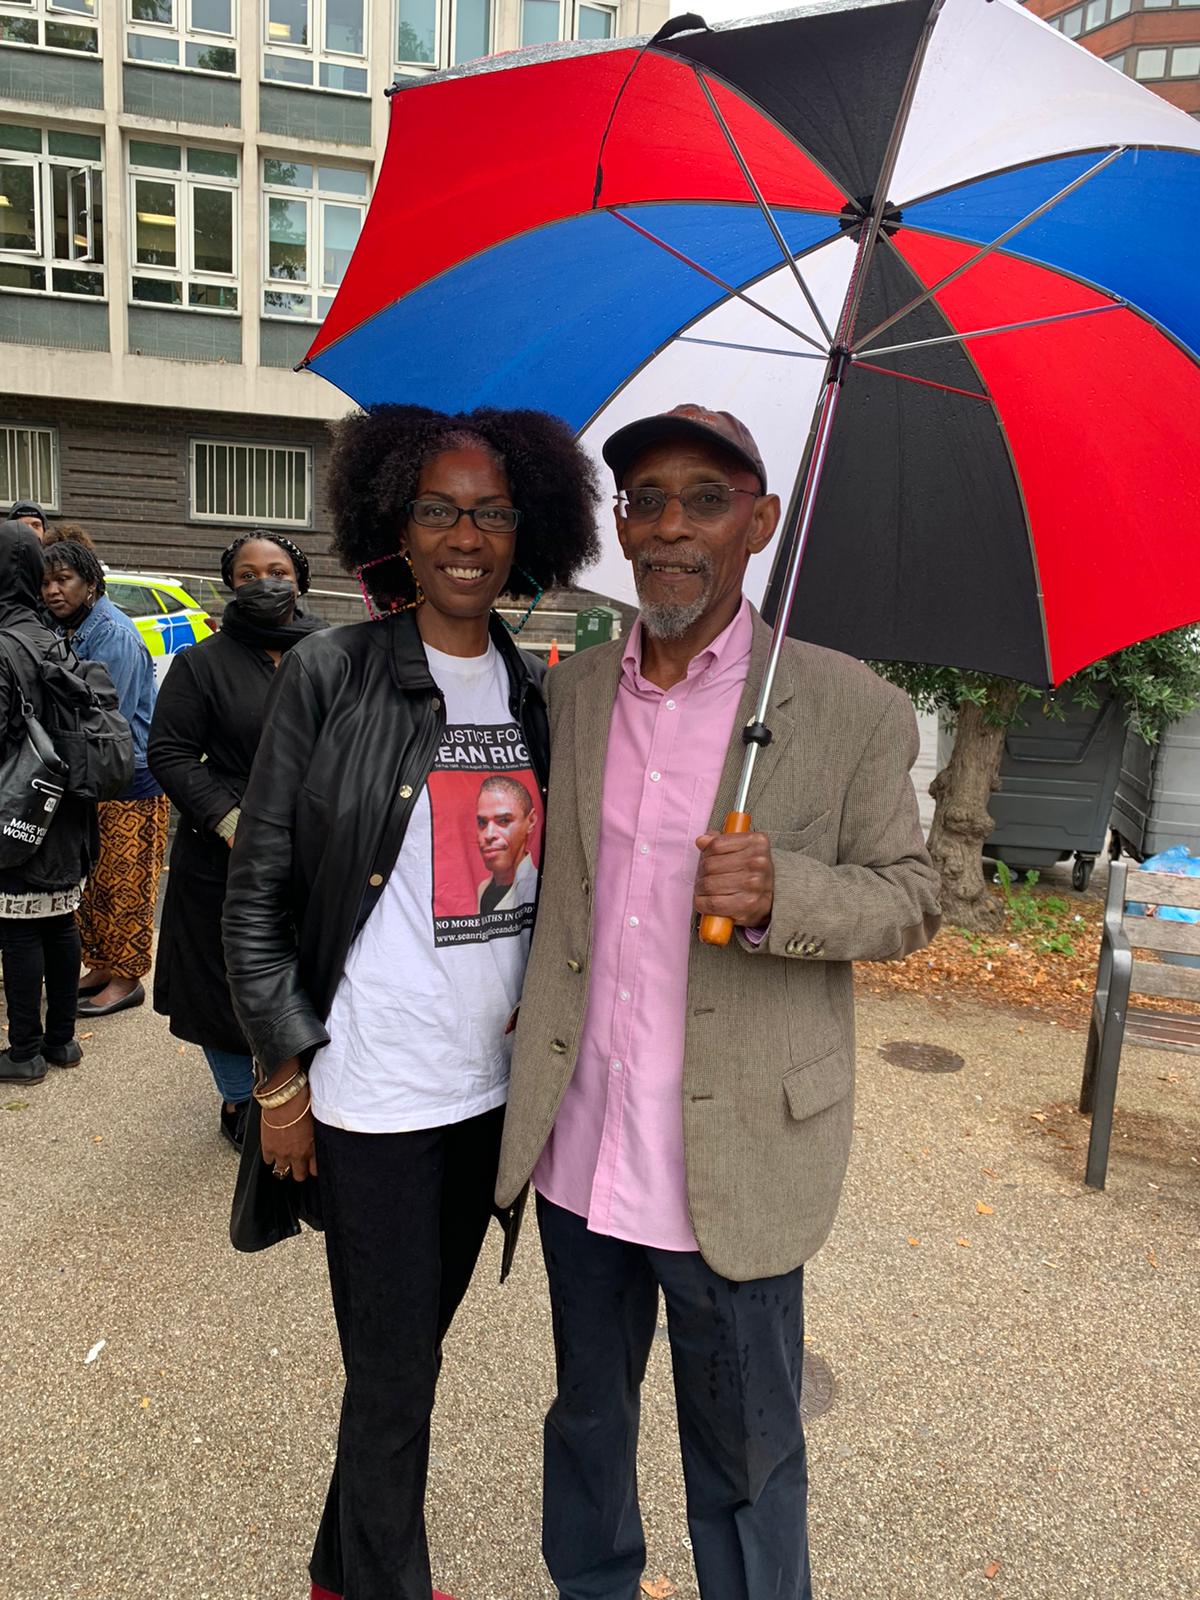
(266, 602)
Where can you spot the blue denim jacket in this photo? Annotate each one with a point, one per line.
(110, 637)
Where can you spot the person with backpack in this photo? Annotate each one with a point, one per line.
(39, 937)
(116, 918)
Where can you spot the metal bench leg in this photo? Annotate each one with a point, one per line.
(1108, 1059)
(1087, 1089)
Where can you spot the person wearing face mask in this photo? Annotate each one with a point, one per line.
(206, 729)
(116, 918)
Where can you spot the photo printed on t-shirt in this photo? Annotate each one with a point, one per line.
(487, 835)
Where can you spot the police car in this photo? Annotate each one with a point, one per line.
(164, 613)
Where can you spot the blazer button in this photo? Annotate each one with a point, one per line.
(584, 885)
(375, 879)
(793, 948)
(573, 965)
(406, 791)
(558, 1046)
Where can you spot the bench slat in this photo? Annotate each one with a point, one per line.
(1163, 889)
(1171, 983)
(1158, 933)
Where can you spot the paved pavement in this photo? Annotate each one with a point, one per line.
(1017, 1388)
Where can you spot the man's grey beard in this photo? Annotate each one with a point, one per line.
(660, 618)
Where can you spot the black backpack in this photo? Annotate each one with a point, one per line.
(80, 711)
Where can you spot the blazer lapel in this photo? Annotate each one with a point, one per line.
(778, 720)
(594, 699)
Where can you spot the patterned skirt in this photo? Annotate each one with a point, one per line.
(116, 917)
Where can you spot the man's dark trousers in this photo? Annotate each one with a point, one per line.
(736, 1350)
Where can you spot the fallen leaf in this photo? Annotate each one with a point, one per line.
(17, 1105)
(913, 1240)
(1038, 1116)
(97, 1138)
(660, 1588)
(91, 1035)
(94, 1352)
(1152, 1259)
(183, 1049)
(144, 1402)
(988, 1173)
(985, 1210)
(992, 1570)
(963, 1244)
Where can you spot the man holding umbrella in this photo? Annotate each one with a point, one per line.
(686, 1110)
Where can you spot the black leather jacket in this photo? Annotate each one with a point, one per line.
(352, 724)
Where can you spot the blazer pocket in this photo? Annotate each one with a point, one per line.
(818, 1084)
(800, 838)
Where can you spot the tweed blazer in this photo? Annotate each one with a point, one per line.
(768, 1072)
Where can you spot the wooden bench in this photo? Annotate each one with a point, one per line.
(1120, 974)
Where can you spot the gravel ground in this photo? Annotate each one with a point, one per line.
(1014, 1356)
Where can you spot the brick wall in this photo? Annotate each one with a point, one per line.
(124, 476)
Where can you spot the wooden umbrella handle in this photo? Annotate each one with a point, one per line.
(719, 930)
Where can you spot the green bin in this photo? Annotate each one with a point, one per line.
(597, 625)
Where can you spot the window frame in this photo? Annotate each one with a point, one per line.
(315, 52)
(53, 504)
(315, 200)
(452, 59)
(45, 11)
(44, 164)
(185, 272)
(613, 12)
(251, 519)
(184, 32)
(444, 21)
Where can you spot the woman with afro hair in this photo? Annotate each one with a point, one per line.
(377, 925)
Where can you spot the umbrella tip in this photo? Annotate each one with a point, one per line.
(690, 22)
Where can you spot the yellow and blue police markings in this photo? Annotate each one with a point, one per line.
(168, 618)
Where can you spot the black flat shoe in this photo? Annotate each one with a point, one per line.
(90, 988)
(233, 1123)
(31, 1071)
(135, 997)
(64, 1055)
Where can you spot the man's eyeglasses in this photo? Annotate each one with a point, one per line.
(441, 514)
(702, 502)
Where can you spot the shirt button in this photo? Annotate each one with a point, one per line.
(616, 1066)
(624, 994)
(655, 776)
(670, 705)
(645, 849)
(633, 922)
(375, 879)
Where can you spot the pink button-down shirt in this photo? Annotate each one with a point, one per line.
(615, 1155)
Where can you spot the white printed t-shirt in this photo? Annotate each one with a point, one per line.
(417, 1024)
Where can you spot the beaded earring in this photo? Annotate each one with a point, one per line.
(394, 606)
(538, 592)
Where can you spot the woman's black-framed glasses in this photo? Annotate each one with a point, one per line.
(702, 502)
(441, 514)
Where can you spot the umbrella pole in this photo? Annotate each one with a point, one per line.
(798, 523)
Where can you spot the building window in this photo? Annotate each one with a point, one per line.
(257, 483)
(198, 35)
(51, 211)
(541, 21)
(418, 33)
(51, 24)
(1164, 61)
(596, 22)
(184, 210)
(316, 43)
(471, 21)
(1092, 14)
(312, 216)
(29, 467)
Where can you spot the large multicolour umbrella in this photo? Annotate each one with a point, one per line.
(939, 258)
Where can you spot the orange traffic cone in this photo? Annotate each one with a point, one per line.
(553, 658)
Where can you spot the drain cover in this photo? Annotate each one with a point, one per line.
(918, 1057)
(817, 1387)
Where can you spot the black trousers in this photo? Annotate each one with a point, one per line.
(39, 950)
(405, 1217)
(737, 1350)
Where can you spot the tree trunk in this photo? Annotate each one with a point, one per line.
(961, 821)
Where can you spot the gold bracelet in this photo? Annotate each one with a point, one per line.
(279, 1127)
(288, 1090)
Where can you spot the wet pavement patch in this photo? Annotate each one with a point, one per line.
(918, 1057)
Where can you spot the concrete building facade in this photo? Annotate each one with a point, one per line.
(182, 183)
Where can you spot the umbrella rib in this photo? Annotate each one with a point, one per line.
(713, 278)
(754, 349)
(996, 244)
(760, 200)
(1008, 327)
(928, 383)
